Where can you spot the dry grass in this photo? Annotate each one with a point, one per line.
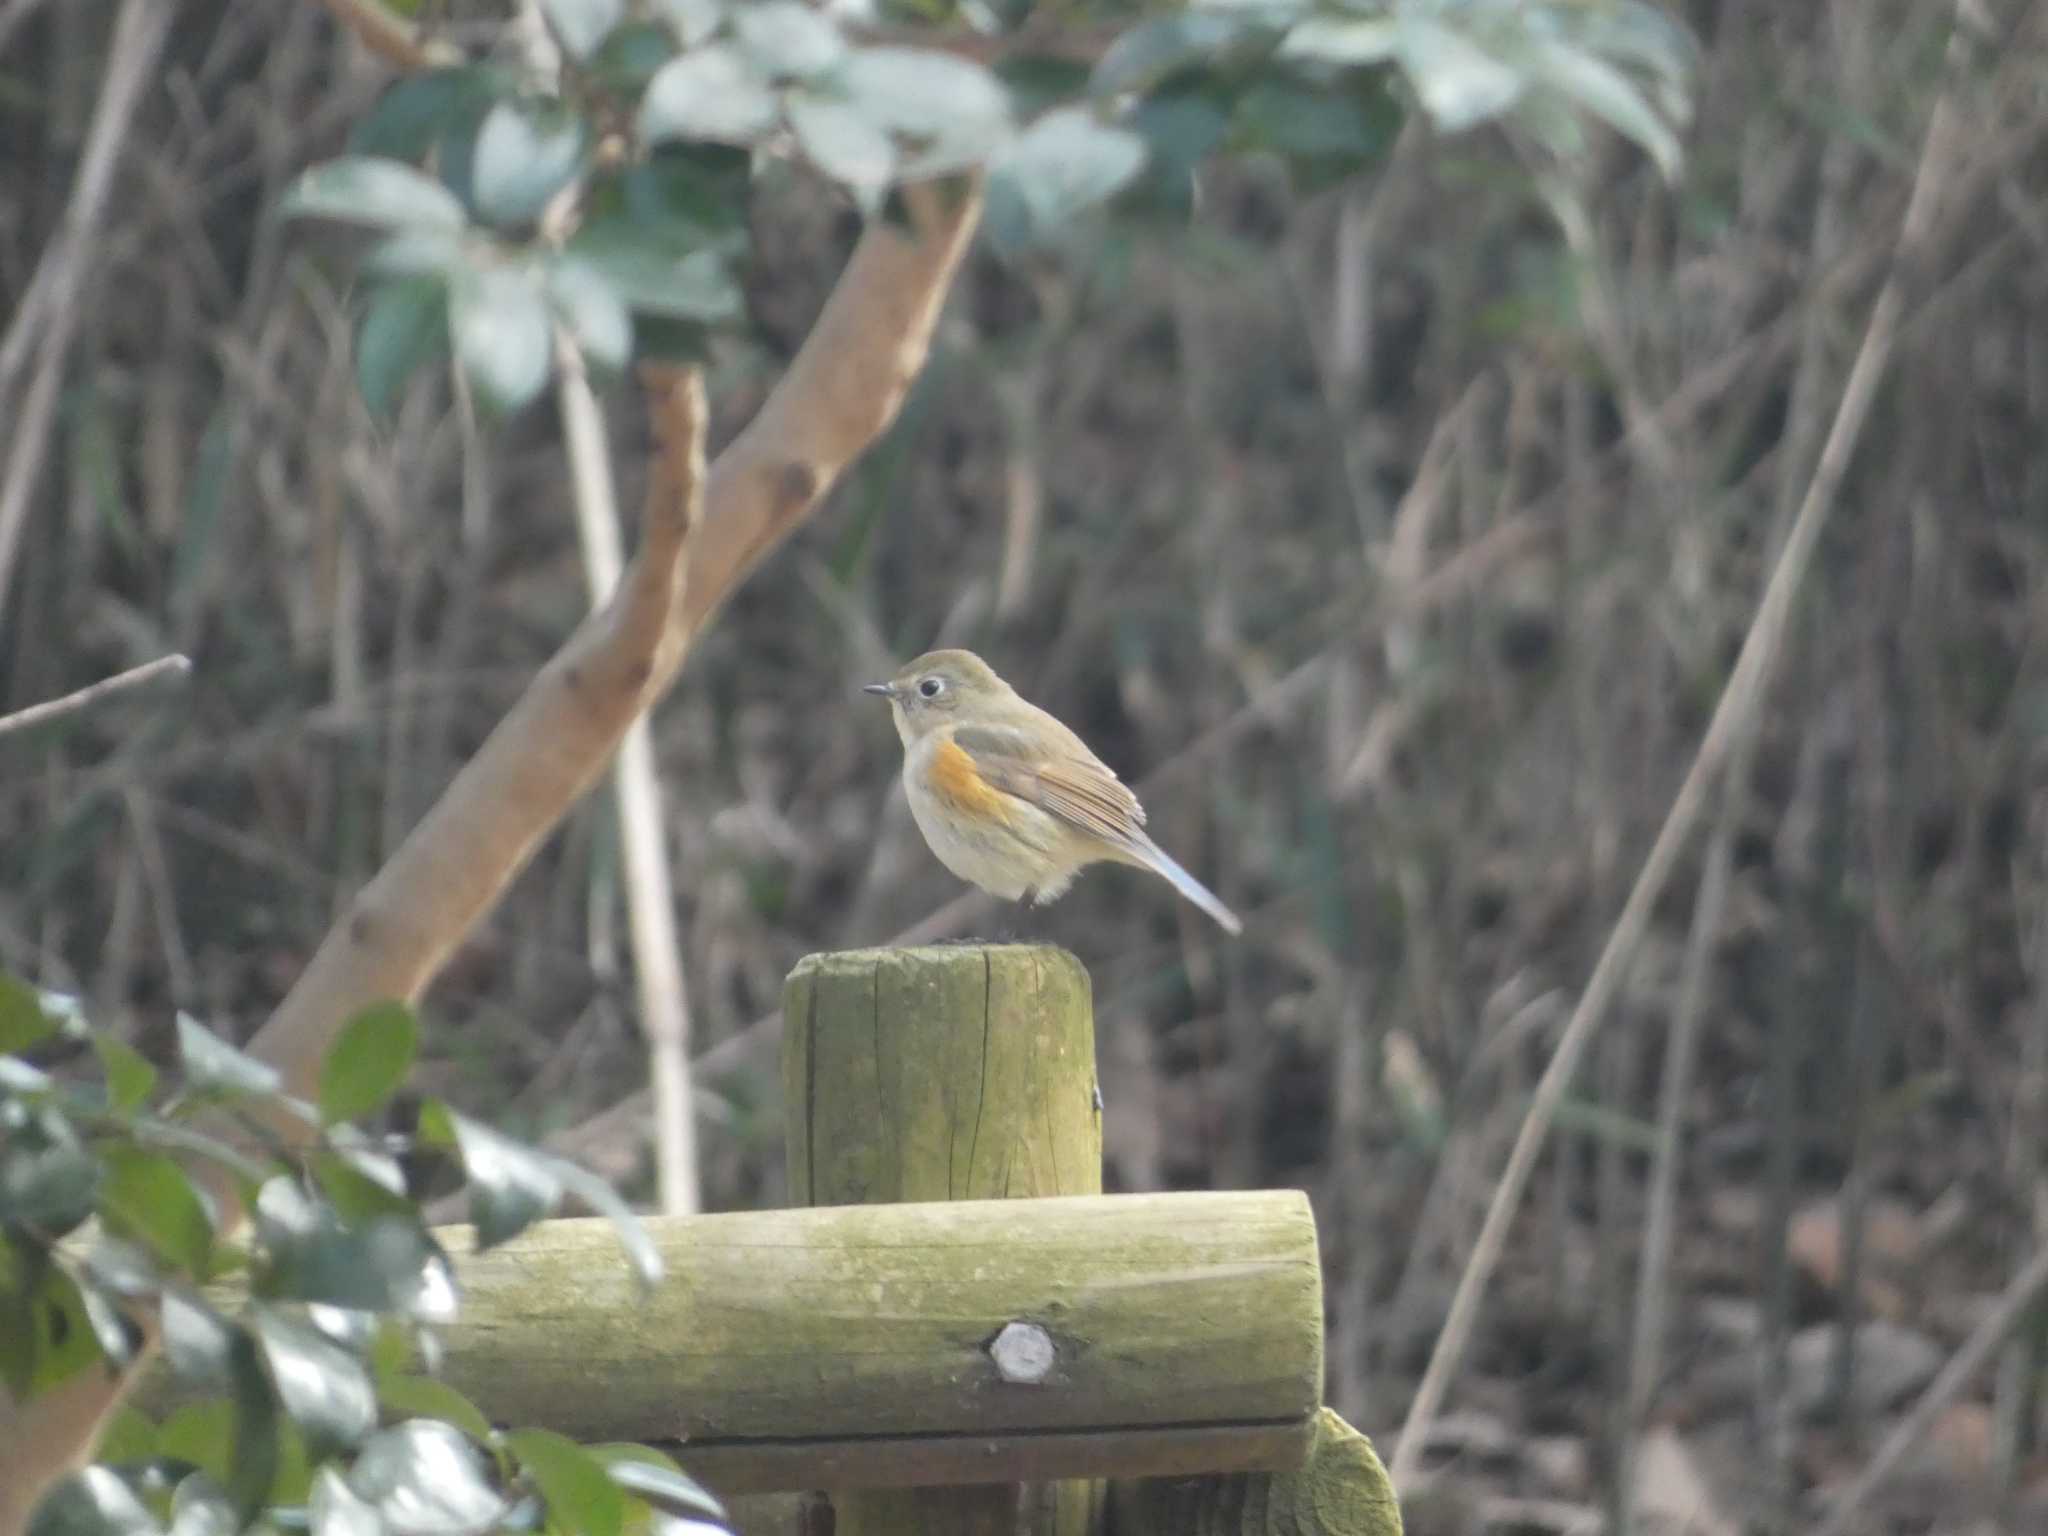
(1405, 587)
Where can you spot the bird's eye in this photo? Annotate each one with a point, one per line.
(932, 687)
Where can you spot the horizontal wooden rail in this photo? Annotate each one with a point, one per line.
(913, 1345)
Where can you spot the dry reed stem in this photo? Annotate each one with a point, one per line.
(165, 668)
(1739, 702)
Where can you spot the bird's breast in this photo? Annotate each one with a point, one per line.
(951, 778)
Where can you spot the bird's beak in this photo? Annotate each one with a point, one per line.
(886, 690)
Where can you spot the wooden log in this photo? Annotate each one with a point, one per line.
(1341, 1490)
(858, 1347)
(950, 1073)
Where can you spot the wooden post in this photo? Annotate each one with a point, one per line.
(950, 1073)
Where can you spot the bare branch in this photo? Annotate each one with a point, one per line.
(174, 667)
(2014, 1303)
(51, 304)
(1739, 702)
(844, 388)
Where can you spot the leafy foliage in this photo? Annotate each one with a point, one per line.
(301, 1405)
(485, 183)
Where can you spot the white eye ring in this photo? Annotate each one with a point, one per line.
(932, 687)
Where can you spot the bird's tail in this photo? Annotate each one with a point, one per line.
(1156, 859)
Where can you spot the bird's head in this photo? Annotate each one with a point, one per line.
(941, 688)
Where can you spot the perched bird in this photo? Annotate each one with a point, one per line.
(1007, 797)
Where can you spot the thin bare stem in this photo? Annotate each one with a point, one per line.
(643, 841)
(1739, 702)
(172, 667)
(2014, 1302)
(53, 306)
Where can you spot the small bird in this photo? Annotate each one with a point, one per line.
(1007, 797)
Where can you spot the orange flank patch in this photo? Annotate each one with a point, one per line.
(955, 780)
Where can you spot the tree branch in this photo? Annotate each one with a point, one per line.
(702, 533)
(174, 667)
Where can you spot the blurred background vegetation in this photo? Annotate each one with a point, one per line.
(1394, 545)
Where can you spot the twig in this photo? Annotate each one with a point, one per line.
(1652, 1299)
(131, 66)
(391, 37)
(643, 841)
(2018, 1298)
(1739, 701)
(172, 666)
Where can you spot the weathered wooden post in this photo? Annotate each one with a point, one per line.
(935, 1360)
(948, 1073)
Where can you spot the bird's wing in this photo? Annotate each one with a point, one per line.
(1073, 785)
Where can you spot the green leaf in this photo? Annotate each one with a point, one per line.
(583, 24)
(525, 153)
(1154, 51)
(632, 1232)
(198, 1341)
(1608, 94)
(711, 93)
(367, 1062)
(953, 110)
(404, 328)
(360, 189)
(632, 56)
(692, 21)
(842, 143)
(130, 1078)
(1459, 83)
(200, 1507)
(657, 1479)
(47, 1176)
(92, 1502)
(122, 1268)
(46, 1335)
(787, 40)
(117, 1337)
(383, 1264)
(596, 316)
(1314, 122)
(1038, 82)
(322, 1386)
(23, 1022)
(692, 195)
(426, 1398)
(17, 1076)
(510, 1186)
(148, 1196)
(256, 1442)
(334, 1509)
(210, 1062)
(1344, 39)
(1061, 166)
(199, 1435)
(498, 319)
(652, 279)
(581, 1498)
(362, 1186)
(412, 115)
(130, 1436)
(415, 253)
(423, 1476)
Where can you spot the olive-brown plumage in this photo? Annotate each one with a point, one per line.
(1007, 797)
